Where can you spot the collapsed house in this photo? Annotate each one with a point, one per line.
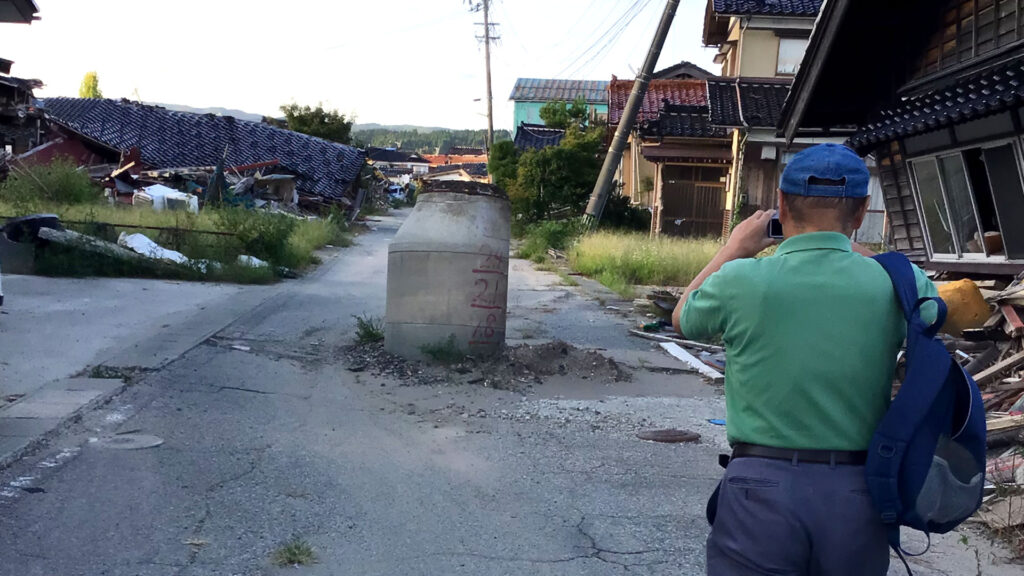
(325, 173)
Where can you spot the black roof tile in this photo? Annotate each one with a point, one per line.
(983, 94)
(473, 168)
(392, 155)
(682, 122)
(768, 7)
(537, 136)
(756, 104)
(170, 139)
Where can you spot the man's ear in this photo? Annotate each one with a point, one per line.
(783, 209)
(862, 213)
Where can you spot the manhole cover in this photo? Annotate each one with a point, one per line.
(130, 441)
(670, 435)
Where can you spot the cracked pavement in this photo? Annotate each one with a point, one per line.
(267, 436)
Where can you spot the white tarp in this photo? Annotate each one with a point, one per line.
(165, 197)
(141, 244)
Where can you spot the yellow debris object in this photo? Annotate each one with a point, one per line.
(966, 305)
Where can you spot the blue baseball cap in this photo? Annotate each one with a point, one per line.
(826, 162)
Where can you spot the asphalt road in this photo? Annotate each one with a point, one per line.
(267, 436)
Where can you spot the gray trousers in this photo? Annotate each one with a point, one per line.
(779, 518)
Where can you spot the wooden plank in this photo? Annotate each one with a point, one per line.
(992, 371)
(688, 343)
(1014, 326)
(691, 360)
(1005, 424)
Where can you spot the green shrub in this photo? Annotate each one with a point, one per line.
(444, 352)
(58, 182)
(552, 234)
(263, 235)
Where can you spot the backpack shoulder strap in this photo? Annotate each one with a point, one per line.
(904, 282)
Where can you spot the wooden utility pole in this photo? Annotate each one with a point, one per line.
(603, 186)
(487, 37)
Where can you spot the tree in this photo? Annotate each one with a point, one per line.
(563, 115)
(326, 124)
(90, 87)
(558, 177)
(503, 164)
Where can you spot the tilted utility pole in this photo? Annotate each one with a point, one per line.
(602, 189)
(487, 37)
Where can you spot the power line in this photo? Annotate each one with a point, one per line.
(488, 36)
(611, 32)
(611, 41)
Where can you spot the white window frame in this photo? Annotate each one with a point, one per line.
(1017, 142)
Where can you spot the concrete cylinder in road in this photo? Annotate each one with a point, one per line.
(448, 271)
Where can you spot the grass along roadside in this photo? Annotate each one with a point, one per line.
(623, 260)
(279, 239)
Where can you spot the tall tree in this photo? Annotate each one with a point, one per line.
(90, 87)
(563, 115)
(326, 124)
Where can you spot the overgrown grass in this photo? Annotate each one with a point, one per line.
(369, 329)
(621, 260)
(278, 239)
(296, 552)
(444, 352)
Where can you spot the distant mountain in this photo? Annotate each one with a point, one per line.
(398, 128)
(214, 110)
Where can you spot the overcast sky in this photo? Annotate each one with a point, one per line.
(385, 61)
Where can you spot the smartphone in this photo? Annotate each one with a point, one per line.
(775, 226)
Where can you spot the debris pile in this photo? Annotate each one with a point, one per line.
(517, 369)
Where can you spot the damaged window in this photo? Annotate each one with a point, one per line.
(969, 201)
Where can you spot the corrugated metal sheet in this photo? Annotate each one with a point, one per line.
(555, 90)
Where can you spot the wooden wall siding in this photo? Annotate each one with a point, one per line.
(692, 208)
(971, 29)
(907, 235)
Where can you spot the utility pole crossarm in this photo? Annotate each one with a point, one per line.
(602, 188)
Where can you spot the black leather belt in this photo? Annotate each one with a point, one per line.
(812, 456)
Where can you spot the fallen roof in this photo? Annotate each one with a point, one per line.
(747, 102)
(472, 169)
(537, 136)
(682, 122)
(659, 93)
(989, 92)
(767, 7)
(18, 11)
(467, 151)
(441, 159)
(169, 139)
(555, 90)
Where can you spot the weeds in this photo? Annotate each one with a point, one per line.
(538, 238)
(57, 182)
(621, 260)
(369, 329)
(444, 352)
(296, 552)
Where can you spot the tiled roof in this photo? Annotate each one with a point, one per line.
(169, 139)
(768, 7)
(537, 136)
(983, 94)
(659, 93)
(682, 122)
(683, 68)
(441, 159)
(758, 103)
(473, 169)
(551, 90)
(467, 151)
(392, 155)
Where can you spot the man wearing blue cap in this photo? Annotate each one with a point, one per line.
(812, 334)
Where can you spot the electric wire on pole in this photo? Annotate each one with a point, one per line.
(488, 36)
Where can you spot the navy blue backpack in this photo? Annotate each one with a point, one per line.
(926, 463)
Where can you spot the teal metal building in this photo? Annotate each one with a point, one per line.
(531, 94)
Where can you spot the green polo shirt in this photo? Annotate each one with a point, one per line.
(812, 335)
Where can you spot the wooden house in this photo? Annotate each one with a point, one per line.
(935, 91)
